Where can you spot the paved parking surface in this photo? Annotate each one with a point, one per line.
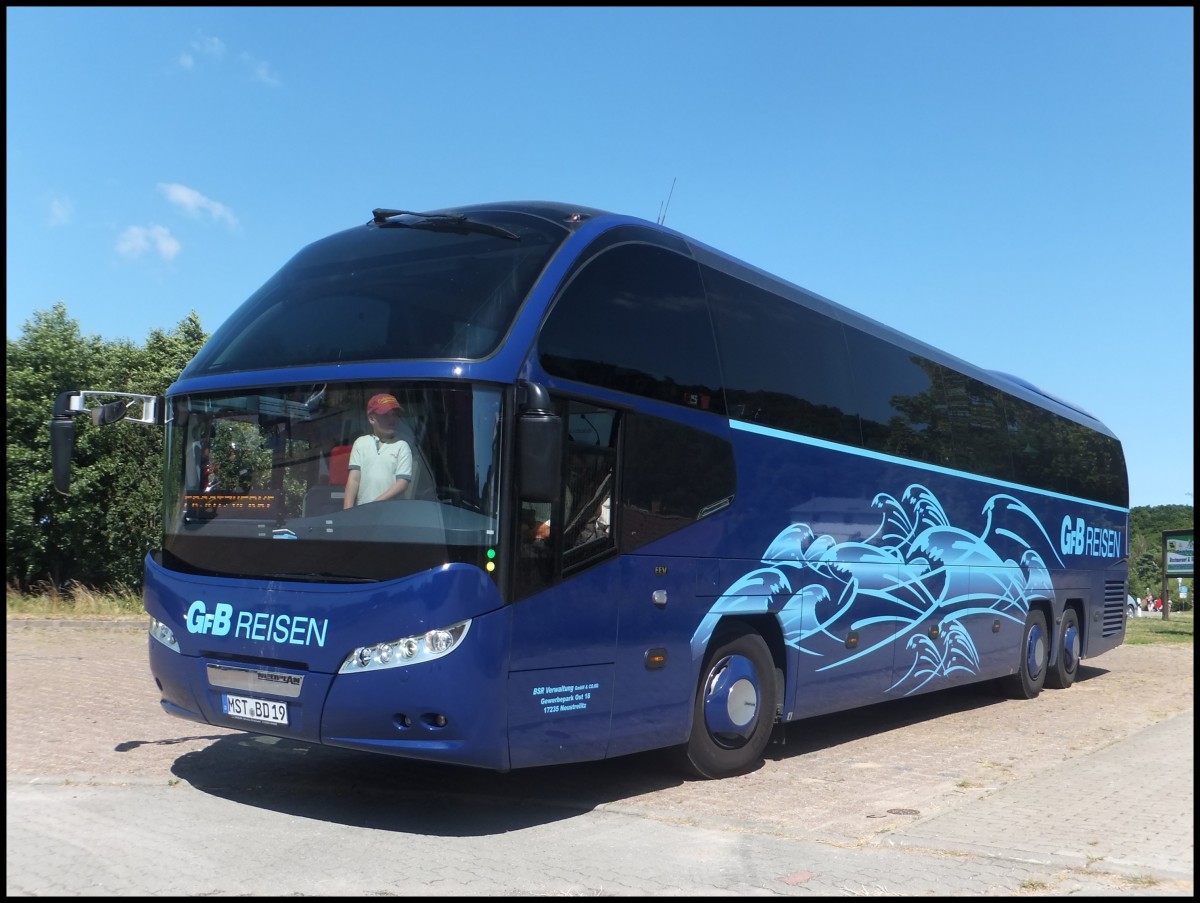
(1087, 790)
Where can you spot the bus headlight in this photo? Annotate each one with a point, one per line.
(164, 634)
(409, 650)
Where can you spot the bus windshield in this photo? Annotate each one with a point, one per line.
(257, 481)
(387, 293)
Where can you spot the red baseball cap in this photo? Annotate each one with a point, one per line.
(381, 404)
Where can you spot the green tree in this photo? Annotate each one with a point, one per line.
(1146, 527)
(100, 534)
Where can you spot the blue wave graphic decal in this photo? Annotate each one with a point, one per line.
(915, 572)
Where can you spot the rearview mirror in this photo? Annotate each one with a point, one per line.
(112, 412)
(539, 445)
(62, 446)
(62, 441)
(539, 450)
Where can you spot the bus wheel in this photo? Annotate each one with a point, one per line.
(1034, 652)
(1062, 674)
(734, 711)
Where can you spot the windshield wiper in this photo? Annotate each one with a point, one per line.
(438, 222)
(323, 576)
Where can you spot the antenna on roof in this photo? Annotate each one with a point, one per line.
(662, 208)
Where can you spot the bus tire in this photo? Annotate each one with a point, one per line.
(1070, 645)
(1031, 663)
(734, 711)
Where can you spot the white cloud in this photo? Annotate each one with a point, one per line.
(137, 240)
(260, 71)
(193, 203)
(62, 211)
(209, 46)
(203, 46)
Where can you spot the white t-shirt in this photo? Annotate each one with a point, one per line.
(380, 464)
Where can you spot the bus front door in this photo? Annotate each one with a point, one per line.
(560, 683)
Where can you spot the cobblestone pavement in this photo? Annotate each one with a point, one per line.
(1082, 791)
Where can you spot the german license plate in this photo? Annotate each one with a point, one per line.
(264, 710)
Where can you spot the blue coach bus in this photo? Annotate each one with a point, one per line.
(658, 499)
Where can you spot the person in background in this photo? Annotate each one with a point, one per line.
(381, 464)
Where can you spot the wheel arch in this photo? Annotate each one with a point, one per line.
(767, 626)
(1046, 607)
(1073, 604)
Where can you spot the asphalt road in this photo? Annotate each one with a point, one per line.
(1081, 791)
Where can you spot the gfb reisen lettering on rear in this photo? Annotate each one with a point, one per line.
(297, 630)
(1079, 538)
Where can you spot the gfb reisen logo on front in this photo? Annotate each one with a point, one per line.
(296, 630)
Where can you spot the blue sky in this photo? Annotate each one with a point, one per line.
(1013, 185)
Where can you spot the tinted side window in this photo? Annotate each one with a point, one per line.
(978, 424)
(1101, 472)
(1038, 458)
(672, 476)
(1064, 456)
(899, 398)
(635, 319)
(784, 365)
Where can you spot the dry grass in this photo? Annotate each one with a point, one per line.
(47, 601)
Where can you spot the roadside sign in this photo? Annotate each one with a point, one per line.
(1178, 553)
